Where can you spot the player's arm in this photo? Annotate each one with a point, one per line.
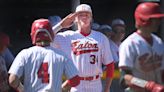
(16, 71)
(15, 83)
(108, 62)
(124, 71)
(71, 82)
(65, 22)
(128, 80)
(109, 76)
(71, 73)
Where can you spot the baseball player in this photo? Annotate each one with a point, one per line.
(115, 37)
(4, 42)
(87, 48)
(41, 65)
(118, 27)
(141, 55)
(106, 30)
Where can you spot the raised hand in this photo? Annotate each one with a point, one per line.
(68, 20)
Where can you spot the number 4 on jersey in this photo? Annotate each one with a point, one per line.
(43, 73)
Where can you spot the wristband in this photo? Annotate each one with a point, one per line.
(138, 82)
(57, 28)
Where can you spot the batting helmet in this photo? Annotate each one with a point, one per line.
(146, 11)
(41, 30)
(4, 39)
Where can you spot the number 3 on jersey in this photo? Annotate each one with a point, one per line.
(93, 59)
(43, 73)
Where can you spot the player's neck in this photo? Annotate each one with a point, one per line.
(144, 33)
(85, 31)
(146, 36)
(43, 44)
(116, 40)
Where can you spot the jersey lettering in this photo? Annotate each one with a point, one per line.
(43, 73)
(149, 63)
(81, 48)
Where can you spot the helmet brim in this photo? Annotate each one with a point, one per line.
(157, 16)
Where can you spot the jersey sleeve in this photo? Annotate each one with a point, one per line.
(127, 54)
(62, 42)
(114, 51)
(58, 40)
(70, 69)
(106, 52)
(17, 66)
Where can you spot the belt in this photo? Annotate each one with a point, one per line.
(89, 78)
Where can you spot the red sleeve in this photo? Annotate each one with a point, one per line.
(74, 81)
(110, 70)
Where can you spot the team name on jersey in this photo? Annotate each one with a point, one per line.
(80, 47)
(150, 62)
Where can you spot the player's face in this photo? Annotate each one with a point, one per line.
(109, 34)
(119, 32)
(155, 22)
(84, 19)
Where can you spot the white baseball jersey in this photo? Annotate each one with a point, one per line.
(137, 54)
(88, 54)
(42, 68)
(114, 50)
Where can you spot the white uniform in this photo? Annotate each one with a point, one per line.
(131, 54)
(88, 54)
(42, 68)
(114, 50)
(115, 82)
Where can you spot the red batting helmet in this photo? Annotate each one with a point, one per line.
(146, 11)
(41, 30)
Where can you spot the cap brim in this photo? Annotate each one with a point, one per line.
(118, 25)
(83, 11)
